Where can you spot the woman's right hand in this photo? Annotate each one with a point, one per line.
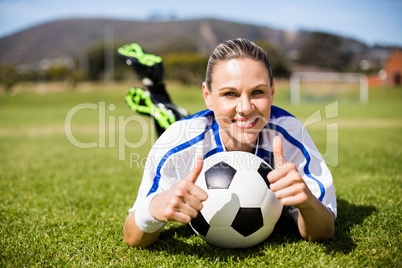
(182, 201)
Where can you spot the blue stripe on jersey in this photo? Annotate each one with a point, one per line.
(215, 128)
(264, 154)
(172, 151)
(219, 146)
(306, 155)
(277, 112)
(212, 152)
(204, 113)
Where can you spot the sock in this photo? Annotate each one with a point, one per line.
(159, 93)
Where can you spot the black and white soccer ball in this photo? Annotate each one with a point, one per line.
(241, 210)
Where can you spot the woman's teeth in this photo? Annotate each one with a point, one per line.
(245, 123)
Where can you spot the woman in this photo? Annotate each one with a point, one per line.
(238, 91)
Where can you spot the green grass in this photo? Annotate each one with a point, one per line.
(61, 205)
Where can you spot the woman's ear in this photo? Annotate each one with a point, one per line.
(207, 96)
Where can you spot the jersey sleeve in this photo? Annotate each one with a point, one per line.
(299, 148)
(170, 158)
(158, 170)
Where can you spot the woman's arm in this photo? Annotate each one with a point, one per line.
(315, 221)
(180, 203)
(135, 237)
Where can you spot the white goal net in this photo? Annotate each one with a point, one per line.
(320, 86)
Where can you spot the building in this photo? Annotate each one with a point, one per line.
(391, 74)
(393, 68)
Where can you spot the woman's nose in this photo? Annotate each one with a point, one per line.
(244, 105)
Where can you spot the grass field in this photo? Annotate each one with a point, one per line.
(61, 205)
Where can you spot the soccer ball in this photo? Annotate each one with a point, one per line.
(241, 211)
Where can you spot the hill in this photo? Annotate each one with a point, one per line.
(69, 37)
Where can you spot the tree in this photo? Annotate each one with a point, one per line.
(96, 61)
(176, 45)
(187, 68)
(279, 63)
(58, 72)
(325, 50)
(8, 76)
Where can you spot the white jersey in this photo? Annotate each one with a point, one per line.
(173, 155)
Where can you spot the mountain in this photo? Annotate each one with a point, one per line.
(70, 37)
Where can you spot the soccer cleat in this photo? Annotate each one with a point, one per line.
(140, 101)
(154, 101)
(147, 66)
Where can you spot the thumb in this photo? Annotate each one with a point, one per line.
(196, 170)
(278, 153)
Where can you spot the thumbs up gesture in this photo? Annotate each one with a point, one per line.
(182, 201)
(286, 181)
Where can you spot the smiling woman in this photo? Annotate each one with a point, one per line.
(63, 206)
(239, 89)
(238, 92)
(241, 100)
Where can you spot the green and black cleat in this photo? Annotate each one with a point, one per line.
(147, 66)
(140, 101)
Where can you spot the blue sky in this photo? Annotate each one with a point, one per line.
(370, 21)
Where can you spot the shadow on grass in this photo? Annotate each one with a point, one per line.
(179, 239)
(349, 215)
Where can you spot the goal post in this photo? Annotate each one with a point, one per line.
(313, 79)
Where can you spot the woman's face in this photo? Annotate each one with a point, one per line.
(241, 99)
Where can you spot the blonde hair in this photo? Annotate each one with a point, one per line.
(238, 48)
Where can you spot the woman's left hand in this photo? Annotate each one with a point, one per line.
(286, 182)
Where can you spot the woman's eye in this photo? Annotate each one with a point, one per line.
(229, 94)
(257, 91)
